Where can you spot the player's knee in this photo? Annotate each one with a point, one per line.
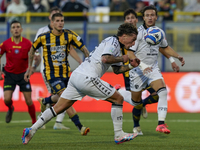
(120, 99)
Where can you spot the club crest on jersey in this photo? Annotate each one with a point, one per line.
(58, 87)
(16, 51)
(65, 42)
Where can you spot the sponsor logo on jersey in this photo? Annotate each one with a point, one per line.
(78, 38)
(59, 56)
(17, 47)
(50, 44)
(58, 48)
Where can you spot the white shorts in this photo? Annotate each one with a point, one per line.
(139, 81)
(80, 85)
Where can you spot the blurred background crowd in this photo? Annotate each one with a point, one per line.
(166, 6)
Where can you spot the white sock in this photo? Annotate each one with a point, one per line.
(46, 116)
(162, 104)
(117, 117)
(127, 97)
(60, 117)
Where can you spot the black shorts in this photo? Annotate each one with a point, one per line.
(11, 80)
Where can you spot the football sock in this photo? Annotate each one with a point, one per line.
(9, 105)
(31, 111)
(150, 99)
(162, 104)
(76, 121)
(136, 112)
(161, 122)
(46, 116)
(47, 100)
(117, 117)
(60, 117)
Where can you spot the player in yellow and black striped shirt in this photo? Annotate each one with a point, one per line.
(56, 47)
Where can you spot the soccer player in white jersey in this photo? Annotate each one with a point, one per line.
(130, 16)
(148, 73)
(107, 54)
(54, 98)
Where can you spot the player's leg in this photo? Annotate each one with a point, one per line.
(159, 86)
(75, 119)
(9, 103)
(9, 87)
(46, 116)
(31, 106)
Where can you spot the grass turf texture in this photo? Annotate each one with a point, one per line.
(184, 133)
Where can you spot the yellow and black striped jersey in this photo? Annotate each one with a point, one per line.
(126, 74)
(55, 52)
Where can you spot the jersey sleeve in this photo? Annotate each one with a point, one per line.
(164, 42)
(77, 41)
(37, 43)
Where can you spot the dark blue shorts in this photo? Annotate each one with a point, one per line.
(58, 84)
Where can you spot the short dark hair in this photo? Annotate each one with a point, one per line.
(127, 28)
(56, 15)
(55, 8)
(130, 11)
(15, 21)
(150, 7)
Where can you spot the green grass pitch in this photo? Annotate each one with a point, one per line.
(185, 133)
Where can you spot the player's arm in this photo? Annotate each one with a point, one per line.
(1, 72)
(121, 69)
(110, 59)
(174, 66)
(168, 50)
(37, 60)
(74, 54)
(1, 54)
(85, 51)
(30, 61)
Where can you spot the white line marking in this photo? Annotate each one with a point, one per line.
(107, 120)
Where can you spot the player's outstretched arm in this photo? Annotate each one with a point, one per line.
(74, 54)
(172, 53)
(174, 66)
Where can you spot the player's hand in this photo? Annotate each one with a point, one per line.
(134, 62)
(1, 73)
(125, 58)
(175, 67)
(27, 75)
(181, 59)
(147, 70)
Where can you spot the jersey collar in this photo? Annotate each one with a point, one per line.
(121, 45)
(13, 40)
(50, 28)
(144, 25)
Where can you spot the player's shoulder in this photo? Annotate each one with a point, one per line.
(44, 34)
(112, 41)
(141, 28)
(69, 31)
(8, 41)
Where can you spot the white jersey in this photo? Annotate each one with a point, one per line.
(147, 54)
(40, 31)
(93, 66)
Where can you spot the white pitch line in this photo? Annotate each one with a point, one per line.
(109, 120)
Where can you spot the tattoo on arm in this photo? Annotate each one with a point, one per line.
(120, 69)
(31, 56)
(85, 51)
